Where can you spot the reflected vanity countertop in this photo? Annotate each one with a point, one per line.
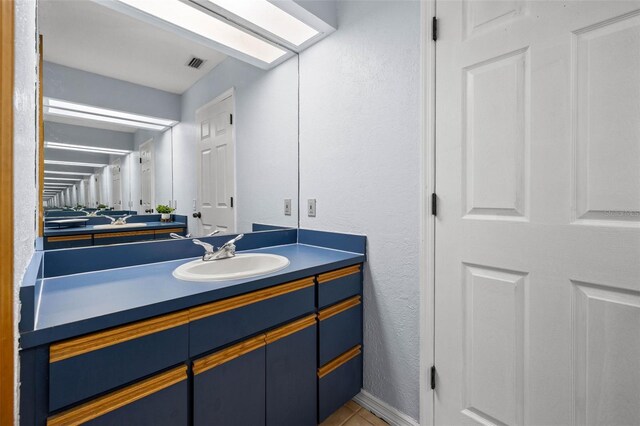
(71, 305)
(91, 229)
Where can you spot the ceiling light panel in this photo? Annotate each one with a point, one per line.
(85, 148)
(271, 18)
(60, 178)
(200, 23)
(73, 106)
(73, 163)
(102, 118)
(53, 172)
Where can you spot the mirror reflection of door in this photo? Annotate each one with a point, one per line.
(147, 189)
(116, 187)
(216, 165)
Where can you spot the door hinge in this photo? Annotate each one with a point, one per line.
(140, 202)
(230, 118)
(434, 29)
(434, 204)
(433, 377)
(231, 201)
(140, 160)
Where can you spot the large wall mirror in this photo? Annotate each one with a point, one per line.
(141, 119)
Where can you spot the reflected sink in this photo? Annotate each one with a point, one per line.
(124, 225)
(239, 266)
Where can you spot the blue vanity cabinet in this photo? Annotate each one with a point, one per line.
(339, 329)
(338, 285)
(86, 366)
(291, 374)
(219, 323)
(339, 381)
(161, 400)
(229, 385)
(123, 237)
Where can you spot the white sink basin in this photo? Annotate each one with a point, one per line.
(239, 266)
(124, 225)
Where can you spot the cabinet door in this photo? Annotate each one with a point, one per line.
(161, 400)
(229, 386)
(291, 374)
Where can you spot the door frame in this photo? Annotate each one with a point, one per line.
(7, 330)
(427, 220)
(230, 92)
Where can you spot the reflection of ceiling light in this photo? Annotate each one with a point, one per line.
(53, 172)
(268, 16)
(57, 103)
(73, 163)
(195, 21)
(55, 178)
(85, 148)
(103, 118)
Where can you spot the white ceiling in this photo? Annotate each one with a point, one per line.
(85, 35)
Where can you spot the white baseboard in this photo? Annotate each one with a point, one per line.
(384, 410)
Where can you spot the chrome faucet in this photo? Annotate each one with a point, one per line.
(119, 221)
(226, 251)
(180, 237)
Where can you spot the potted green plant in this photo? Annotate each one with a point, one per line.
(101, 206)
(165, 212)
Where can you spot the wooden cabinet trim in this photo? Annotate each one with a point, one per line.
(339, 307)
(294, 327)
(247, 299)
(333, 275)
(168, 230)
(123, 234)
(77, 346)
(337, 362)
(232, 352)
(69, 238)
(111, 402)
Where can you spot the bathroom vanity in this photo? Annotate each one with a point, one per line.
(277, 349)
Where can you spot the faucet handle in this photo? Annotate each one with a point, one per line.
(123, 218)
(109, 217)
(176, 236)
(217, 231)
(208, 247)
(233, 241)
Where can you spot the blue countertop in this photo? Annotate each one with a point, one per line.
(71, 305)
(90, 229)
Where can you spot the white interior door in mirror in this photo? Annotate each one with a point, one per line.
(116, 185)
(147, 189)
(216, 165)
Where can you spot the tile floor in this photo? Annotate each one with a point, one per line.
(352, 414)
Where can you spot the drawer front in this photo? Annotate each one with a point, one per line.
(338, 285)
(68, 241)
(340, 328)
(86, 366)
(338, 382)
(123, 237)
(160, 400)
(220, 323)
(229, 386)
(164, 233)
(291, 374)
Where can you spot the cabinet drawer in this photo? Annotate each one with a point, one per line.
(338, 285)
(340, 328)
(68, 241)
(217, 324)
(83, 367)
(339, 381)
(159, 400)
(123, 237)
(229, 385)
(164, 233)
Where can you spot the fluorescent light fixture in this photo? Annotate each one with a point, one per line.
(270, 17)
(102, 118)
(55, 178)
(85, 148)
(196, 21)
(73, 163)
(53, 172)
(73, 106)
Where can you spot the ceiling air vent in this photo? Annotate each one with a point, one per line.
(195, 63)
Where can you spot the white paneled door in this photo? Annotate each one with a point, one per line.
(537, 288)
(216, 165)
(116, 185)
(147, 173)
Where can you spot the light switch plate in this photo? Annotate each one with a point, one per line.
(287, 207)
(311, 207)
